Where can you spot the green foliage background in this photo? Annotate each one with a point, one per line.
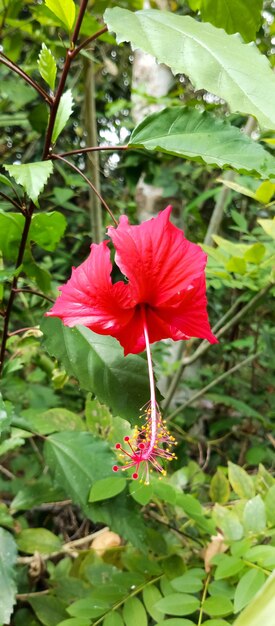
(198, 546)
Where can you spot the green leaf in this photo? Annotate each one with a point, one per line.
(247, 587)
(31, 176)
(64, 10)
(178, 604)
(63, 113)
(265, 192)
(227, 61)
(261, 610)
(228, 566)
(151, 594)
(30, 540)
(141, 492)
(47, 229)
(270, 505)
(49, 610)
(134, 613)
(236, 265)
(107, 488)
(98, 363)
(188, 583)
(11, 227)
(217, 606)
(262, 555)
(235, 16)
(113, 619)
(8, 555)
(5, 181)
(268, 226)
(240, 481)
(47, 66)
(254, 515)
(51, 421)
(34, 494)
(200, 136)
(255, 253)
(88, 608)
(78, 460)
(228, 522)
(219, 488)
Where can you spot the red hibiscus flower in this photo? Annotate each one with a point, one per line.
(165, 286)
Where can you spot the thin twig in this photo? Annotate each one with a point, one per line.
(15, 204)
(34, 293)
(22, 330)
(92, 149)
(67, 548)
(89, 40)
(214, 382)
(74, 167)
(15, 68)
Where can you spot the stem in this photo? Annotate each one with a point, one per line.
(22, 330)
(74, 167)
(214, 382)
(203, 598)
(15, 68)
(14, 285)
(34, 293)
(152, 386)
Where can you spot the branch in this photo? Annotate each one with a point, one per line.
(14, 68)
(214, 382)
(74, 167)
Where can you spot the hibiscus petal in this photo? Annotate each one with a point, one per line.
(189, 316)
(156, 258)
(90, 298)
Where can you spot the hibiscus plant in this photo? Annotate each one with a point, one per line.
(115, 509)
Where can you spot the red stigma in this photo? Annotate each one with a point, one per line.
(118, 446)
(115, 468)
(126, 439)
(135, 475)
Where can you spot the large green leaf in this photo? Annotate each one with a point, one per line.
(8, 554)
(220, 63)
(261, 611)
(47, 66)
(235, 16)
(100, 367)
(200, 136)
(31, 176)
(77, 461)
